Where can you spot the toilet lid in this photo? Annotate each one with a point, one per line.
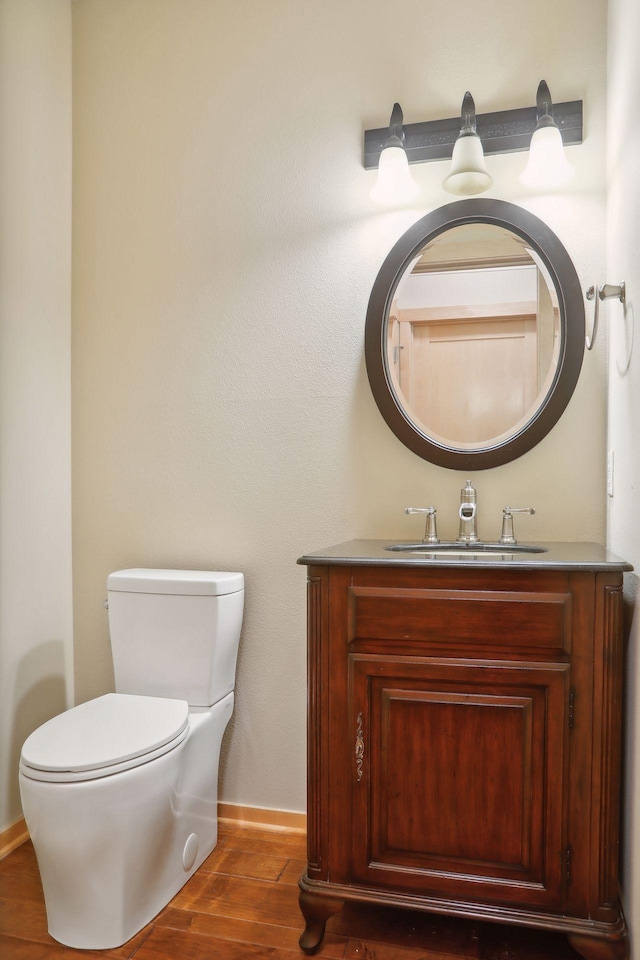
(117, 730)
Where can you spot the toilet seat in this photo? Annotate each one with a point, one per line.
(104, 736)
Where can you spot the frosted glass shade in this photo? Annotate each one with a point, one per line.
(394, 183)
(547, 165)
(468, 171)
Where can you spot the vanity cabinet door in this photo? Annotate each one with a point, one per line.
(458, 777)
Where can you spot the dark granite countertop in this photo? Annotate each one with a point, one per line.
(551, 555)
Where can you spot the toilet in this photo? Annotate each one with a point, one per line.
(120, 793)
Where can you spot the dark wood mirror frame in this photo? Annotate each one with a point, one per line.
(572, 330)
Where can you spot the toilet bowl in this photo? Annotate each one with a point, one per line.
(120, 793)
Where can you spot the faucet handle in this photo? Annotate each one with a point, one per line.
(507, 522)
(430, 531)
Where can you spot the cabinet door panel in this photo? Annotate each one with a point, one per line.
(461, 777)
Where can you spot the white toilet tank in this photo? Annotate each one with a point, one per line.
(175, 633)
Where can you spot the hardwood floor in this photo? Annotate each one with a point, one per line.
(243, 905)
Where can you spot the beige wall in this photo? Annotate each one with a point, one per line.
(624, 396)
(35, 310)
(224, 250)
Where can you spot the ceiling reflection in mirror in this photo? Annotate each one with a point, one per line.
(473, 336)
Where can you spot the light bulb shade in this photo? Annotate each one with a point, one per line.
(394, 183)
(547, 166)
(468, 174)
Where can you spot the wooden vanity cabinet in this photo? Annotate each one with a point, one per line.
(464, 746)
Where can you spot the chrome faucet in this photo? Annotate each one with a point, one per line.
(430, 531)
(468, 532)
(468, 514)
(507, 522)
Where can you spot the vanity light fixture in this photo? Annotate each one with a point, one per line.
(547, 165)
(468, 174)
(505, 131)
(394, 183)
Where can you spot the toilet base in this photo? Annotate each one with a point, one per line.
(114, 851)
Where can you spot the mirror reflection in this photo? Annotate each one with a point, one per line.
(473, 336)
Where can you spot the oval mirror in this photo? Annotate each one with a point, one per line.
(475, 334)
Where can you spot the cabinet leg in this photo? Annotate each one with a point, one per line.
(594, 948)
(316, 910)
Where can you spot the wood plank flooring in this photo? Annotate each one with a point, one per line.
(243, 905)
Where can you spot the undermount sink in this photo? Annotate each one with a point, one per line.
(465, 549)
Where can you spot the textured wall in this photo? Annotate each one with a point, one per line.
(35, 405)
(224, 251)
(624, 397)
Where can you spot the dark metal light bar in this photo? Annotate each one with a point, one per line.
(506, 131)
